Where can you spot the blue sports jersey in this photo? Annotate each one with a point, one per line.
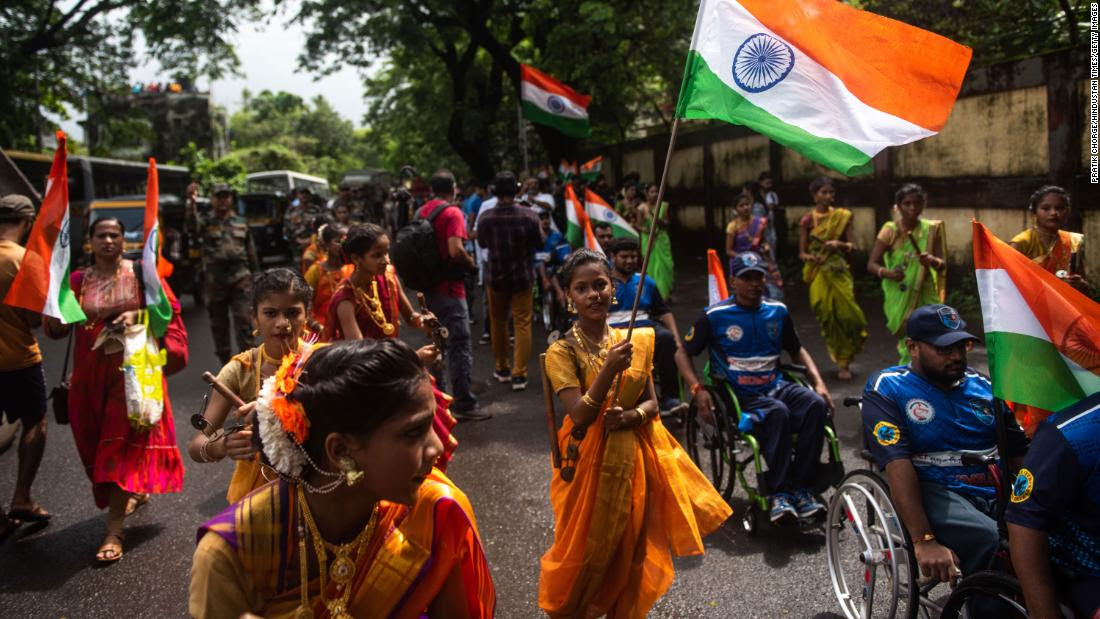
(1058, 488)
(554, 251)
(905, 416)
(650, 307)
(745, 344)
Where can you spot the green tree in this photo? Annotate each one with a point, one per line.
(56, 56)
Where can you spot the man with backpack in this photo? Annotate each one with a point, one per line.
(443, 287)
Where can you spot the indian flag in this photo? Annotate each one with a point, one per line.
(832, 82)
(598, 210)
(547, 101)
(578, 230)
(156, 299)
(716, 279)
(1043, 335)
(591, 169)
(42, 283)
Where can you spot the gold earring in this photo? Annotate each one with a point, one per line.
(614, 299)
(351, 471)
(255, 332)
(569, 307)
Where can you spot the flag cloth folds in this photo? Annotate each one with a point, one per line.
(1042, 335)
(42, 283)
(598, 210)
(591, 169)
(716, 279)
(156, 300)
(831, 82)
(578, 229)
(547, 101)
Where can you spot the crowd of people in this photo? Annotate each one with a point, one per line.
(340, 433)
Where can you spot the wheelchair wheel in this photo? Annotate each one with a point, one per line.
(874, 574)
(986, 594)
(708, 446)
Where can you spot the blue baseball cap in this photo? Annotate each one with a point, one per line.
(938, 325)
(746, 262)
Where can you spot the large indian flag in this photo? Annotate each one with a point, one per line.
(832, 82)
(1043, 335)
(156, 299)
(547, 101)
(599, 210)
(42, 283)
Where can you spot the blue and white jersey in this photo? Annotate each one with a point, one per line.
(650, 307)
(554, 251)
(905, 416)
(745, 344)
(1058, 488)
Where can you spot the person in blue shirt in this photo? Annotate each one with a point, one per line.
(1054, 513)
(746, 335)
(652, 312)
(918, 421)
(552, 255)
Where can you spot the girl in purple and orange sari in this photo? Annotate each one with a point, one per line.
(125, 464)
(747, 232)
(361, 524)
(370, 302)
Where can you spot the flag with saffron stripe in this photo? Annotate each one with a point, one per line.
(1043, 335)
(831, 82)
(578, 230)
(156, 299)
(599, 210)
(547, 101)
(716, 279)
(42, 283)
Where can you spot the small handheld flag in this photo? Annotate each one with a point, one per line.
(42, 283)
(716, 279)
(156, 301)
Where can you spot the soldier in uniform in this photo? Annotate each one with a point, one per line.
(228, 260)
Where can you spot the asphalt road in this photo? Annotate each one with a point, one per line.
(502, 464)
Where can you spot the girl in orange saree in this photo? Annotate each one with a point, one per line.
(280, 301)
(326, 275)
(627, 496)
(360, 524)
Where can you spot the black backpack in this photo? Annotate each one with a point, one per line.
(415, 254)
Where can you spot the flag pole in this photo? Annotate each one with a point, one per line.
(649, 245)
(522, 135)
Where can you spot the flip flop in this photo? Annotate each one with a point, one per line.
(109, 551)
(34, 514)
(135, 503)
(8, 528)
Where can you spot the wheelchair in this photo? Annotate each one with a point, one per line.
(547, 310)
(872, 566)
(730, 456)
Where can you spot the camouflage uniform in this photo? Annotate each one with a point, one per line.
(228, 259)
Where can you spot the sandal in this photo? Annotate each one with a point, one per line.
(7, 528)
(110, 550)
(135, 502)
(34, 513)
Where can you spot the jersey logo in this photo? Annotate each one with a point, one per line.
(949, 317)
(983, 410)
(773, 329)
(1022, 485)
(690, 334)
(734, 333)
(887, 433)
(919, 411)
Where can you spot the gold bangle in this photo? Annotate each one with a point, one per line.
(642, 413)
(589, 400)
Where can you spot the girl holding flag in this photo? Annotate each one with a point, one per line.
(909, 258)
(824, 242)
(124, 462)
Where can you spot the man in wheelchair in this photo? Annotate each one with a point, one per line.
(920, 422)
(554, 251)
(1054, 514)
(653, 311)
(746, 334)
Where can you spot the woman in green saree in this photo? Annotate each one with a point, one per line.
(660, 263)
(824, 241)
(909, 258)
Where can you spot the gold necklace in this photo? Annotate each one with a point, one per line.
(373, 305)
(342, 570)
(595, 360)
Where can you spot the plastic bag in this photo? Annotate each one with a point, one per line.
(143, 375)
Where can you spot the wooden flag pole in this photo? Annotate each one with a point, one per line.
(649, 246)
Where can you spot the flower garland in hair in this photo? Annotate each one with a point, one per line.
(284, 426)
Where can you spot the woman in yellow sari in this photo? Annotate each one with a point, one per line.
(360, 523)
(627, 493)
(280, 302)
(1059, 251)
(824, 242)
(909, 258)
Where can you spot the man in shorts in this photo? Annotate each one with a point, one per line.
(21, 379)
